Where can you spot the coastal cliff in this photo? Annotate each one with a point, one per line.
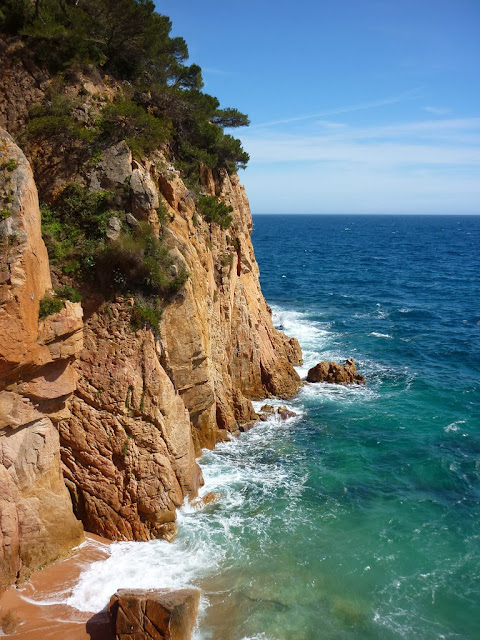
(146, 403)
(37, 524)
(127, 404)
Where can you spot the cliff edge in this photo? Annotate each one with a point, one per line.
(37, 524)
(114, 397)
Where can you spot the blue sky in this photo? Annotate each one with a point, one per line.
(356, 106)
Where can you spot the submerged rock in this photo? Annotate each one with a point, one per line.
(335, 373)
(153, 614)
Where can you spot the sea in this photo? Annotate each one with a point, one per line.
(357, 519)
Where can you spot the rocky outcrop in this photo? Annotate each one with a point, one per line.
(335, 373)
(220, 344)
(22, 84)
(145, 404)
(269, 412)
(127, 448)
(37, 523)
(154, 614)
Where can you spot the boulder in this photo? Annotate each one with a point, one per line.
(284, 413)
(114, 169)
(335, 373)
(268, 411)
(114, 228)
(153, 614)
(208, 498)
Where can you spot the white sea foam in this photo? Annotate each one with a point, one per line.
(380, 335)
(314, 336)
(298, 325)
(206, 537)
(327, 392)
(454, 426)
(147, 565)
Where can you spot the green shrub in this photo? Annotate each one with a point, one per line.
(68, 293)
(74, 228)
(226, 259)
(146, 315)
(215, 211)
(49, 306)
(10, 165)
(55, 118)
(5, 213)
(126, 120)
(125, 446)
(138, 262)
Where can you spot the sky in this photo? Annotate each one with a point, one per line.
(356, 106)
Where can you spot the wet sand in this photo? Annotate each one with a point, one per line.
(39, 604)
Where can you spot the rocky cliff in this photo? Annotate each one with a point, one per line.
(37, 523)
(132, 406)
(128, 449)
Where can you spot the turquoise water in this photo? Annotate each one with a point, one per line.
(359, 518)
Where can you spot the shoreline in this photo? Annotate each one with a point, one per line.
(36, 603)
(40, 604)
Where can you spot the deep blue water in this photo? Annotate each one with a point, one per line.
(359, 518)
(400, 460)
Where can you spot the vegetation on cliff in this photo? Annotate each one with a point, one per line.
(151, 98)
(160, 98)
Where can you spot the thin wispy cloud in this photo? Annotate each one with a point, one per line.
(412, 94)
(437, 111)
(216, 72)
(439, 142)
(429, 165)
(329, 124)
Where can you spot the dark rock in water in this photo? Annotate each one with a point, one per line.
(285, 413)
(153, 614)
(335, 373)
(268, 411)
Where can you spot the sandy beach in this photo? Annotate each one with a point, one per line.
(39, 604)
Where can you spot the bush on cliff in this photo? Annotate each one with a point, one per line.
(55, 118)
(49, 305)
(137, 262)
(123, 119)
(215, 211)
(74, 227)
(147, 315)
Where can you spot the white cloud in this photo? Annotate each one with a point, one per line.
(329, 124)
(412, 167)
(441, 142)
(437, 111)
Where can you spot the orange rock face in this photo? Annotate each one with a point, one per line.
(145, 405)
(37, 523)
(127, 448)
(220, 343)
